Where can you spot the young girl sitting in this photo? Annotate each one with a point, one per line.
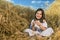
(39, 25)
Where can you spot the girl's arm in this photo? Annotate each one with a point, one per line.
(32, 25)
(44, 26)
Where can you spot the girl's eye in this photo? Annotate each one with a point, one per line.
(37, 13)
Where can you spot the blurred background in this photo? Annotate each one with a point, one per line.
(16, 15)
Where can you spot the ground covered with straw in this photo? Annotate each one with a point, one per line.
(14, 19)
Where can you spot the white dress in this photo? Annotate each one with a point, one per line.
(46, 32)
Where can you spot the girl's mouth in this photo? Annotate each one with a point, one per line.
(38, 16)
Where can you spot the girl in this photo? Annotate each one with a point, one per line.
(39, 25)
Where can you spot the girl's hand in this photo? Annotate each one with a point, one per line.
(38, 23)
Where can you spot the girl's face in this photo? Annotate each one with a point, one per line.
(39, 14)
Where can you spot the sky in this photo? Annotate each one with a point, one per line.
(35, 4)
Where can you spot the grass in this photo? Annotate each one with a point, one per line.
(13, 22)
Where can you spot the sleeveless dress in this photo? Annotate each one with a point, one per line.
(38, 31)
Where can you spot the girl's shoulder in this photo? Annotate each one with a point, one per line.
(32, 20)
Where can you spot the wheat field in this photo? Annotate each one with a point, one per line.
(14, 19)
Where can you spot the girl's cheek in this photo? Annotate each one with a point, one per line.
(40, 15)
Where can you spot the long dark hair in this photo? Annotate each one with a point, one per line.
(43, 15)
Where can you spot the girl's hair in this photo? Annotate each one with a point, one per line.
(43, 15)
